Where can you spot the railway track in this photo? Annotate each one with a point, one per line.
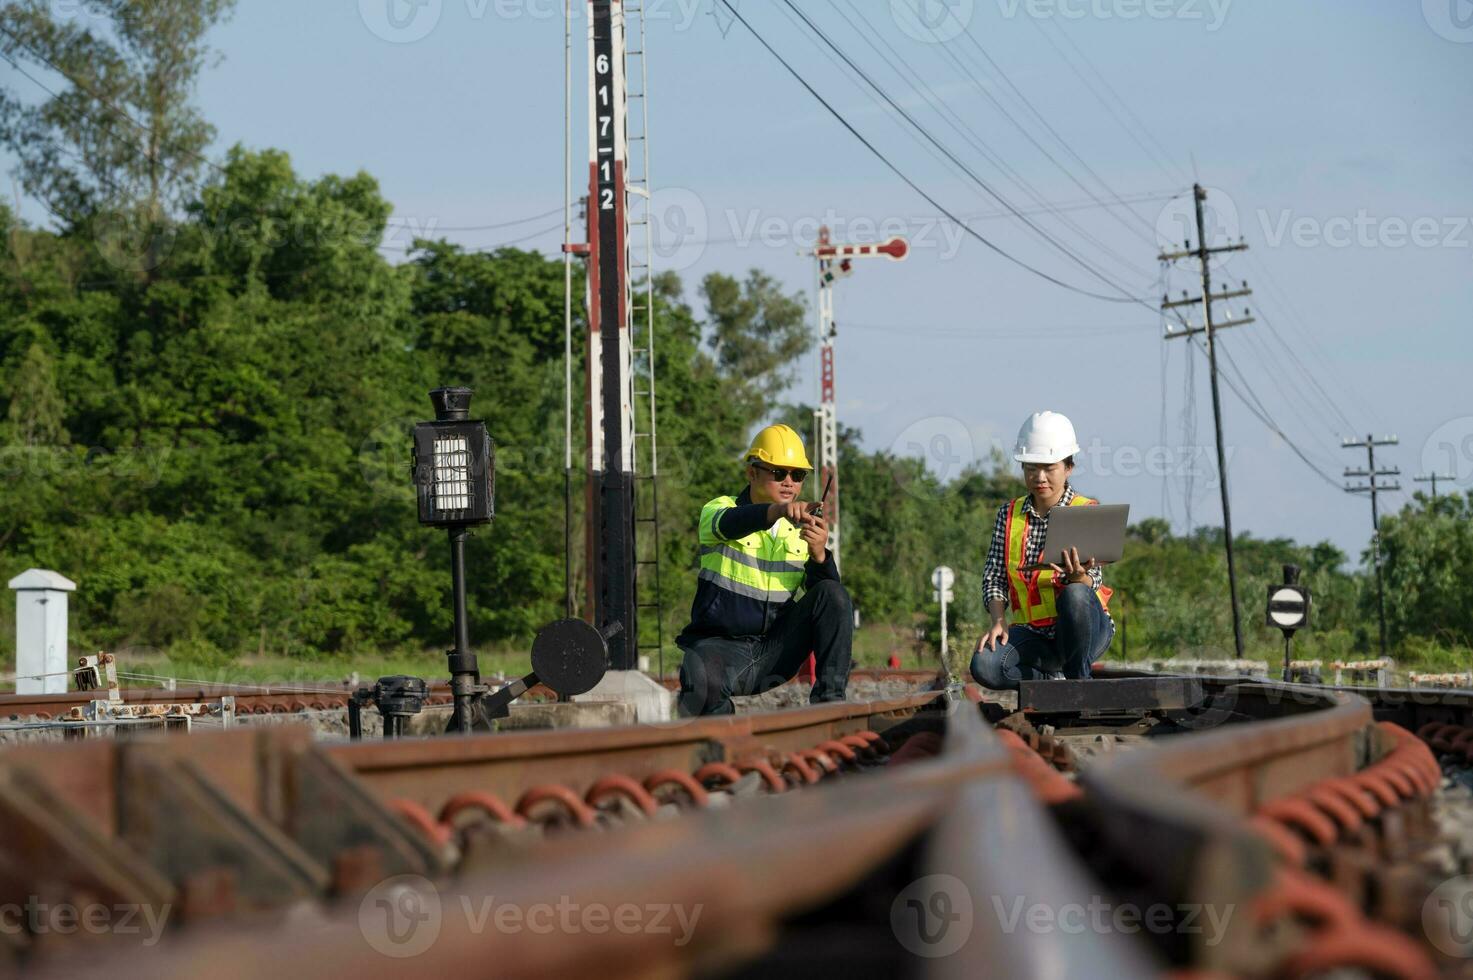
(1233, 828)
(259, 699)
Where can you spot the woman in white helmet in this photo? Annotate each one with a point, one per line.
(1052, 622)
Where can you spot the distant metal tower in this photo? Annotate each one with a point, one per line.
(834, 262)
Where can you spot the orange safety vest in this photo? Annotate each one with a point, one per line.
(1032, 594)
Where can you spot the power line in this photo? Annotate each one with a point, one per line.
(952, 156)
(972, 136)
(756, 238)
(1312, 342)
(998, 70)
(1062, 331)
(1111, 89)
(39, 56)
(484, 249)
(902, 175)
(503, 224)
(1251, 401)
(1062, 142)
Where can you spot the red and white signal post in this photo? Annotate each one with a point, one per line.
(834, 262)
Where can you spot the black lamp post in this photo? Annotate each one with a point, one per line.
(454, 477)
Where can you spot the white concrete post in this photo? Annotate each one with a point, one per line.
(943, 578)
(40, 631)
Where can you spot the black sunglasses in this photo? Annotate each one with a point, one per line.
(780, 475)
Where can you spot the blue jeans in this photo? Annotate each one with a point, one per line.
(716, 667)
(1082, 634)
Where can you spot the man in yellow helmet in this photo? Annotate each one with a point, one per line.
(749, 631)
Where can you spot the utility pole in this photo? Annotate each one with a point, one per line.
(1374, 488)
(1203, 255)
(1434, 477)
(835, 261)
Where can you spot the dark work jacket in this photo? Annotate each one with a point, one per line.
(718, 611)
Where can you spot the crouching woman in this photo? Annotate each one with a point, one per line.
(1053, 622)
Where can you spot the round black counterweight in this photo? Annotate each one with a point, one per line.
(569, 656)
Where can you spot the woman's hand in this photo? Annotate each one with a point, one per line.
(1074, 571)
(997, 634)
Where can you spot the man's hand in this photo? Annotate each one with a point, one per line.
(1073, 571)
(794, 511)
(815, 531)
(997, 634)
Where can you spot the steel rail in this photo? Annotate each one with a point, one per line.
(1164, 821)
(290, 698)
(721, 866)
(430, 771)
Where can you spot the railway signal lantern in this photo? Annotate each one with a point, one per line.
(454, 464)
(454, 478)
(1288, 609)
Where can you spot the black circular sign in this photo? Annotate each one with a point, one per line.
(569, 656)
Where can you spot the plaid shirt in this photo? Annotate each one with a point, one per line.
(995, 573)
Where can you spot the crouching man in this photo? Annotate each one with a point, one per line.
(749, 630)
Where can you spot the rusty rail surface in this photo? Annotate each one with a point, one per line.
(430, 771)
(261, 699)
(1280, 789)
(249, 699)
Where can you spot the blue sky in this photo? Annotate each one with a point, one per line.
(1333, 137)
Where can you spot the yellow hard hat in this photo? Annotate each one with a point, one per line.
(779, 445)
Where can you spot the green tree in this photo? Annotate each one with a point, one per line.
(123, 136)
(755, 330)
(36, 414)
(1426, 554)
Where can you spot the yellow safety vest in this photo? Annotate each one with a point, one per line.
(760, 566)
(1031, 594)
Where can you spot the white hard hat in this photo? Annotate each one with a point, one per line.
(1046, 437)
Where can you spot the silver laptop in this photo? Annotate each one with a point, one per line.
(1098, 532)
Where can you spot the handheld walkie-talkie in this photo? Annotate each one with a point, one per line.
(817, 509)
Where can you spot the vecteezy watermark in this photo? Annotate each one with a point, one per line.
(143, 467)
(1157, 462)
(932, 916)
(932, 21)
(80, 12)
(1450, 19)
(679, 227)
(1101, 916)
(945, 449)
(1447, 916)
(751, 227)
(1449, 450)
(407, 21)
(1213, 12)
(1176, 224)
(132, 244)
(1365, 230)
(400, 21)
(37, 918)
(403, 916)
